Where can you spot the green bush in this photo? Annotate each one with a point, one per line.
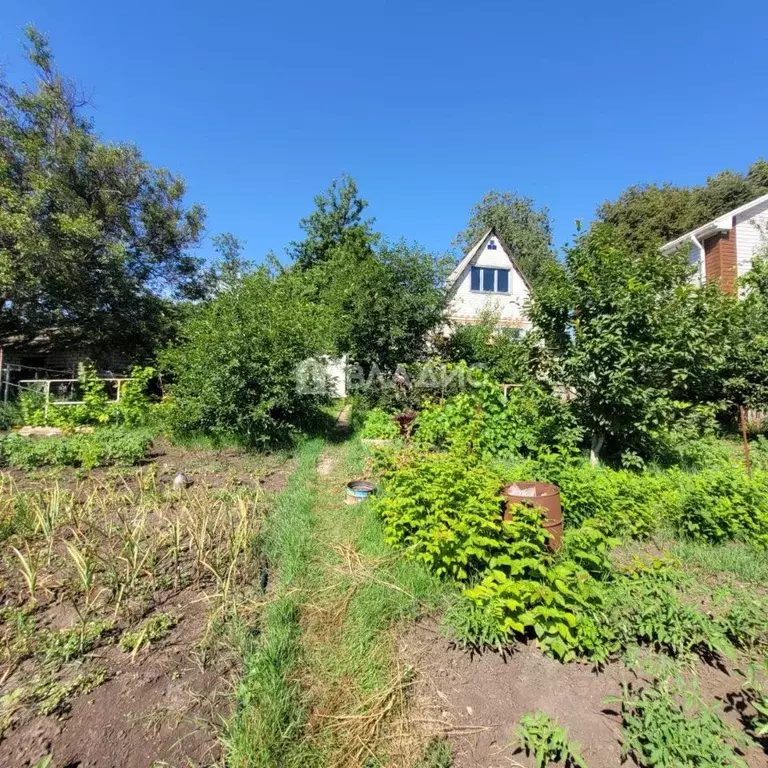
(529, 420)
(97, 409)
(102, 447)
(379, 425)
(724, 503)
(237, 370)
(501, 352)
(10, 415)
(449, 515)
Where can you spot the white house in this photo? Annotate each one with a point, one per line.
(488, 278)
(723, 248)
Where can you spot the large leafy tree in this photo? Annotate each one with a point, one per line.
(746, 382)
(94, 242)
(385, 303)
(337, 223)
(635, 342)
(648, 215)
(525, 228)
(384, 298)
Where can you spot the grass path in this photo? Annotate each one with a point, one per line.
(322, 686)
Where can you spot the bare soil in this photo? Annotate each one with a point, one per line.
(226, 468)
(166, 706)
(478, 699)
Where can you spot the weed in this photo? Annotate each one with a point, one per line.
(668, 725)
(540, 736)
(63, 645)
(379, 425)
(10, 704)
(436, 754)
(51, 696)
(150, 631)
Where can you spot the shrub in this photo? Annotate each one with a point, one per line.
(110, 445)
(627, 503)
(379, 425)
(724, 503)
(449, 515)
(10, 415)
(527, 421)
(97, 409)
(501, 352)
(552, 601)
(236, 369)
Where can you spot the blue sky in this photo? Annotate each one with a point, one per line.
(427, 104)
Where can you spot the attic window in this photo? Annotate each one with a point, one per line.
(491, 245)
(487, 280)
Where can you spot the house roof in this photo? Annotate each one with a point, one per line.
(720, 224)
(476, 248)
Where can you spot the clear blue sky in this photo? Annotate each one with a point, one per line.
(427, 104)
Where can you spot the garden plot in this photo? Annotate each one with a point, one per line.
(121, 602)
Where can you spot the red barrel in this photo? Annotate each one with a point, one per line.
(544, 496)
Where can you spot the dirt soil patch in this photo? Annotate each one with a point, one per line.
(477, 700)
(164, 707)
(225, 468)
(155, 554)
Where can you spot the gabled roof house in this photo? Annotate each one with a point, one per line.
(488, 278)
(723, 249)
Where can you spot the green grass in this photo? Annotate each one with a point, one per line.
(326, 644)
(268, 724)
(744, 562)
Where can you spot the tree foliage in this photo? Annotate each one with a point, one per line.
(502, 352)
(236, 367)
(336, 224)
(93, 240)
(648, 215)
(636, 343)
(384, 298)
(526, 229)
(747, 376)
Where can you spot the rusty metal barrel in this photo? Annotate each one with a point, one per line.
(544, 496)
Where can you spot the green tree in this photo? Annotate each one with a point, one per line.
(236, 370)
(526, 229)
(501, 352)
(93, 240)
(384, 303)
(747, 380)
(648, 215)
(336, 223)
(231, 266)
(636, 343)
(384, 298)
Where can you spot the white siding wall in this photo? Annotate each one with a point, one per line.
(696, 257)
(466, 304)
(751, 236)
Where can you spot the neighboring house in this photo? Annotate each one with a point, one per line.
(488, 279)
(723, 249)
